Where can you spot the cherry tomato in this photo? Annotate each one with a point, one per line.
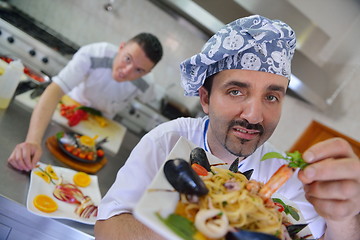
(82, 155)
(69, 148)
(76, 151)
(90, 156)
(200, 170)
(279, 207)
(100, 152)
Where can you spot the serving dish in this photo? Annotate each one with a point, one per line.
(62, 145)
(155, 201)
(65, 210)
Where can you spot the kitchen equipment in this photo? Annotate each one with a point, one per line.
(141, 118)
(39, 47)
(9, 80)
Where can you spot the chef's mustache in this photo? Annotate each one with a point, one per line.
(245, 124)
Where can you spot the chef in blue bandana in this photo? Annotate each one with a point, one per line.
(241, 77)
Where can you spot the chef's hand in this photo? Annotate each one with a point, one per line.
(25, 156)
(332, 185)
(332, 181)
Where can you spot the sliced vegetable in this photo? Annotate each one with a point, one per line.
(200, 170)
(45, 203)
(90, 110)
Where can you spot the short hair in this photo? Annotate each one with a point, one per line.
(150, 44)
(208, 83)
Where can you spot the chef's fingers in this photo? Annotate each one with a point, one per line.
(330, 148)
(26, 156)
(335, 190)
(332, 170)
(334, 209)
(12, 161)
(15, 158)
(36, 154)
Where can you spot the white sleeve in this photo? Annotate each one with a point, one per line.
(133, 178)
(75, 71)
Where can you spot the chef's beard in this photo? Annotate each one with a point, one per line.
(240, 149)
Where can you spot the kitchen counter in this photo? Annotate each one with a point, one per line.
(14, 184)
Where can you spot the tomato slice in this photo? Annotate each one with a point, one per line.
(279, 206)
(200, 170)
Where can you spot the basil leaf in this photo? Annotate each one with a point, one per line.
(293, 212)
(270, 155)
(183, 227)
(278, 200)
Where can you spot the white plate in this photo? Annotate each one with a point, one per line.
(65, 210)
(163, 202)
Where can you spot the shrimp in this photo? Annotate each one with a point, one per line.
(212, 223)
(278, 179)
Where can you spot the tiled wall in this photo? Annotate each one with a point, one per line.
(86, 21)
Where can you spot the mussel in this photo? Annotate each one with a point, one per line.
(248, 235)
(183, 178)
(234, 168)
(198, 155)
(295, 229)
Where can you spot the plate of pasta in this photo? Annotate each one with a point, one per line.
(160, 202)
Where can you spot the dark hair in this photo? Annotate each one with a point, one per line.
(208, 83)
(150, 44)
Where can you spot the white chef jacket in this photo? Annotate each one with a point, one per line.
(87, 78)
(150, 153)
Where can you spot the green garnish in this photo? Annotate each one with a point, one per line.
(183, 227)
(295, 159)
(90, 110)
(59, 135)
(288, 209)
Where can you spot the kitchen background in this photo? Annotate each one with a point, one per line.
(328, 41)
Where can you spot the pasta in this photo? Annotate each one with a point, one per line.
(231, 202)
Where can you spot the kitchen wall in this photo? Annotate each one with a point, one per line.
(86, 21)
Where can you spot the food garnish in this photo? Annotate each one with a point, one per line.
(48, 175)
(66, 192)
(82, 179)
(49, 170)
(45, 203)
(295, 159)
(69, 193)
(180, 225)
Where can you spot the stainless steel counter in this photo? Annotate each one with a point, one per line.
(14, 184)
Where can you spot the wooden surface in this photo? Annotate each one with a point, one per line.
(91, 168)
(317, 132)
(114, 131)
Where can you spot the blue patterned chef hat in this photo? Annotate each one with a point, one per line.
(251, 43)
